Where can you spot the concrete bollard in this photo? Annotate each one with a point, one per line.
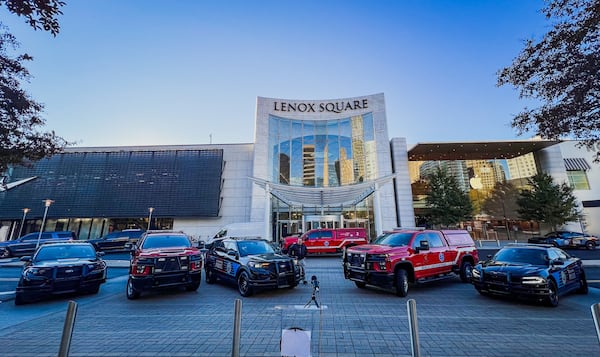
(411, 306)
(596, 315)
(65, 342)
(237, 323)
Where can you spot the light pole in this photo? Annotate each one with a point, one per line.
(25, 211)
(151, 209)
(47, 203)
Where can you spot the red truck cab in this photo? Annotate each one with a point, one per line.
(398, 258)
(328, 241)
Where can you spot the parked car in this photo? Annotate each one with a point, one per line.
(566, 239)
(164, 259)
(118, 240)
(250, 263)
(530, 271)
(27, 244)
(60, 268)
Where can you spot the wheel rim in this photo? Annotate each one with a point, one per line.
(243, 284)
(130, 290)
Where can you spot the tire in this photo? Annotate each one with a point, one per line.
(360, 284)
(583, 285)
(401, 283)
(466, 272)
(94, 289)
(20, 299)
(211, 276)
(193, 286)
(244, 284)
(591, 245)
(132, 293)
(552, 299)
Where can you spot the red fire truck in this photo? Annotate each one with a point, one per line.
(328, 241)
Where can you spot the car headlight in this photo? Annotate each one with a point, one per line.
(259, 265)
(476, 274)
(533, 280)
(33, 271)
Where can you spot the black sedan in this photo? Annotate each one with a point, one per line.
(59, 268)
(117, 241)
(566, 239)
(538, 272)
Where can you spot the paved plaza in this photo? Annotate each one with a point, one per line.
(453, 320)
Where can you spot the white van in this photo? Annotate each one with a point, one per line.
(241, 229)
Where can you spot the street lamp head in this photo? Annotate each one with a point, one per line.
(48, 202)
(26, 210)
(151, 209)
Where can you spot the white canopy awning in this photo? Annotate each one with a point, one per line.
(322, 196)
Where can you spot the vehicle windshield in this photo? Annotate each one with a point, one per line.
(50, 252)
(394, 239)
(251, 247)
(522, 256)
(166, 241)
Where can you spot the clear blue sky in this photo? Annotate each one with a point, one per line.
(176, 72)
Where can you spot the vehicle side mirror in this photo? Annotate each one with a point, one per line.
(233, 253)
(557, 262)
(26, 258)
(423, 245)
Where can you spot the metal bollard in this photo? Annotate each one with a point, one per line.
(411, 306)
(65, 342)
(596, 316)
(237, 323)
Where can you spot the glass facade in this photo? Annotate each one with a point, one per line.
(322, 153)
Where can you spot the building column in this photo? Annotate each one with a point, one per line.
(377, 212)
(267, 227)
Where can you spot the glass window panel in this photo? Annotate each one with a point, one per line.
(320, 157)
(578, 180)
(333, 153)
(296, 162)
(346, 154)
(308, 154)
(284, 162)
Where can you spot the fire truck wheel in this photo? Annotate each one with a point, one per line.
(401, 280)
(132, 293)
(466, 271)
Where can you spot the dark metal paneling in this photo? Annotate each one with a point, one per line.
(177, 183)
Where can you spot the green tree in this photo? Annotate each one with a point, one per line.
(502, 202)
(448, 204)
(561, 71)
(21, 137)
(547, 202)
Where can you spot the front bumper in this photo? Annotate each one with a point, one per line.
(165, 280)
(509, 288)
(371, 277)
(46, 287)
(262, 278)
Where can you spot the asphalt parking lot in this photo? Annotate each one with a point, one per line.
(453, 320)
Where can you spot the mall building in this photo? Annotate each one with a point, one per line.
(313, 164)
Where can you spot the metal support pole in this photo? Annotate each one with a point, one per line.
(65, 342)
(411, 306)
(237, 323)
(596, 316)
